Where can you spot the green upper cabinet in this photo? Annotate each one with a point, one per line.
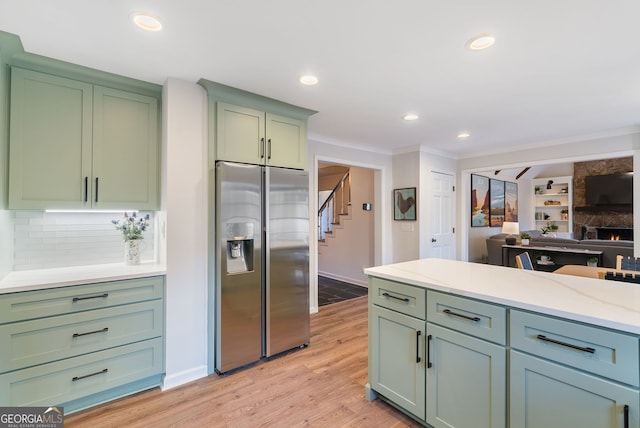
(50, 141)
(75, 145)
(286, 142)
(249, 128)
(240, 134)
(125, 150)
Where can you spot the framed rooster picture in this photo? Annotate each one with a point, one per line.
(404, 204)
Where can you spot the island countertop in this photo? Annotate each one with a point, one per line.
(610, 304)
(41, 279)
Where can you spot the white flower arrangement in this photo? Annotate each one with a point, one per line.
(132, 226)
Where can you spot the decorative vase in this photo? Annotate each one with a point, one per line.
(525, 241)
(132, 250)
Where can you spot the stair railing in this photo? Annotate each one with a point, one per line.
(337, 203)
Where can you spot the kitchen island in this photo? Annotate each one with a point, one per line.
(457, 344)
(79, 336)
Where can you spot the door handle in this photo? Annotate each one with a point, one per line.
(434, 240)
(269, 149)
(262, 148)
(429, 365)
(418, 334)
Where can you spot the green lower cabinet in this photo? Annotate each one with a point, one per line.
(466, 383)
(100, 373)
(544, 394)
(396, 366)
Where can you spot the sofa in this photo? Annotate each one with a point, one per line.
(610, 249)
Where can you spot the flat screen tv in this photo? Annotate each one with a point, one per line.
(612, 189)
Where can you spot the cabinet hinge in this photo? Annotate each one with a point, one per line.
(454, 188)
(453, 229)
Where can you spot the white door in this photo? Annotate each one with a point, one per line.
(441, 222)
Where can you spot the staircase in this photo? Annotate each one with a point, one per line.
(335, 209)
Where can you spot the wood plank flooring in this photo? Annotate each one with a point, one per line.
(319, 386)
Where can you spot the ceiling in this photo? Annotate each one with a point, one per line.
(558, 69)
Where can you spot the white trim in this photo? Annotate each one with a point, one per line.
(185, 376)
(352, 281)
(383, 216)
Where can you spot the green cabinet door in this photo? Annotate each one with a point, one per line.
(50, 141)
(396, 363)
(286, 142)
(544, 394)
(125, 150)
(466, 383)
(75, 145)
(240, 134)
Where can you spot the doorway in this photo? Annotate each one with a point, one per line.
(362, 250)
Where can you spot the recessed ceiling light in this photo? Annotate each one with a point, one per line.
(480, 42)
(410, 117)
(146, 21)
(309, 79)
(463, 135)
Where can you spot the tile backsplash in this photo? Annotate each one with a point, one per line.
(47, 240)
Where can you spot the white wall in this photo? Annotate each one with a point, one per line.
(587, 148)
(349, 249)
(185, 205)
(406, 234)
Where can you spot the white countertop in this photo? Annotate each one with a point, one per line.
(59, 277)
(609, 304)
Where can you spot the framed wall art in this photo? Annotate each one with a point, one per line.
(511, 201)
(496, 206)
(404, 204)
(479, 201)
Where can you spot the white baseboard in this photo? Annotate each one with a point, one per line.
(360, 282)
(186, 376)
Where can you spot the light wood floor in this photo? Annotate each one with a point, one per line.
(321, 386)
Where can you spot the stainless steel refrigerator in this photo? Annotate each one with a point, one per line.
(262, 262)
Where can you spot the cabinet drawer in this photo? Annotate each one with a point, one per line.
(603, 352)
(66, 380)
(77, 298)
(478, 319)
(403, 298)
(40, 341)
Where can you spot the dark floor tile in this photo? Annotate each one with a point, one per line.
(333, 291)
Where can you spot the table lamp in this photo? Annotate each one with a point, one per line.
(512, 229)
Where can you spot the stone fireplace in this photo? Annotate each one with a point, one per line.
(600, 222)
(607, 233)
